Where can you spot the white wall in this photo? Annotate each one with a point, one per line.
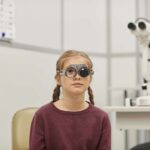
(97, 26)
(85, 25)
(26, 81)
(38, 22)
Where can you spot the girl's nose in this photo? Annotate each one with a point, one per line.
(77, 77)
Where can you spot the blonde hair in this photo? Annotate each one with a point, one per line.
(59, 65)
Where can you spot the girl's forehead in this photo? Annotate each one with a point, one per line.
(76, 60)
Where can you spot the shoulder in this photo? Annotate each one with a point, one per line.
(98, 110)
(100, 113)
(102, 117)
(43, 110)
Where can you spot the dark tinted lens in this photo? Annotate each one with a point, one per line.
(70, 72)
(84, 72)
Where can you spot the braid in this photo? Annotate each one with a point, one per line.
(91, 97)
(56, 93)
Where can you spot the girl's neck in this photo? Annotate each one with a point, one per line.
(71, 103)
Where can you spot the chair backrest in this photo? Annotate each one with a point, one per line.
(21, 123)
(143, 146)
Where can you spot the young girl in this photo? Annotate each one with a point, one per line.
(71, 122)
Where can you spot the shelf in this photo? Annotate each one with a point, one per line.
(29, 47)
(127, 109)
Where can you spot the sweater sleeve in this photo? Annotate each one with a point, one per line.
(37, 141)
(105, 140)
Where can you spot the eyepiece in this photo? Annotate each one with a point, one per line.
(142, 25)
(3, 34)
(84, 72)
(131, 26)
(149, 45)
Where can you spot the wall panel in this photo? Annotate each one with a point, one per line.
(38, 22)
(122, 12)
(85, 25)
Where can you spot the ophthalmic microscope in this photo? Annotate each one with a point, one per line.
(141, 30)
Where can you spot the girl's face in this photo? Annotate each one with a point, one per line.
(76, 85)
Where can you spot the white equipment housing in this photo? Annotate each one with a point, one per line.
(141, 29)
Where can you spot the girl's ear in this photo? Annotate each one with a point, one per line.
(58, 81)
(91, 79)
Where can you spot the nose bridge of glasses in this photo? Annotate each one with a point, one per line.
(76, 67)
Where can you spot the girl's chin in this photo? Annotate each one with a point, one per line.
(77, 91)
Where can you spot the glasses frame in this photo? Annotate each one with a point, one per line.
(77, 68)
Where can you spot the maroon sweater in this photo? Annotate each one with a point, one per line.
(54, 129)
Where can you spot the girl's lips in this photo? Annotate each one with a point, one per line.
(77, 84)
